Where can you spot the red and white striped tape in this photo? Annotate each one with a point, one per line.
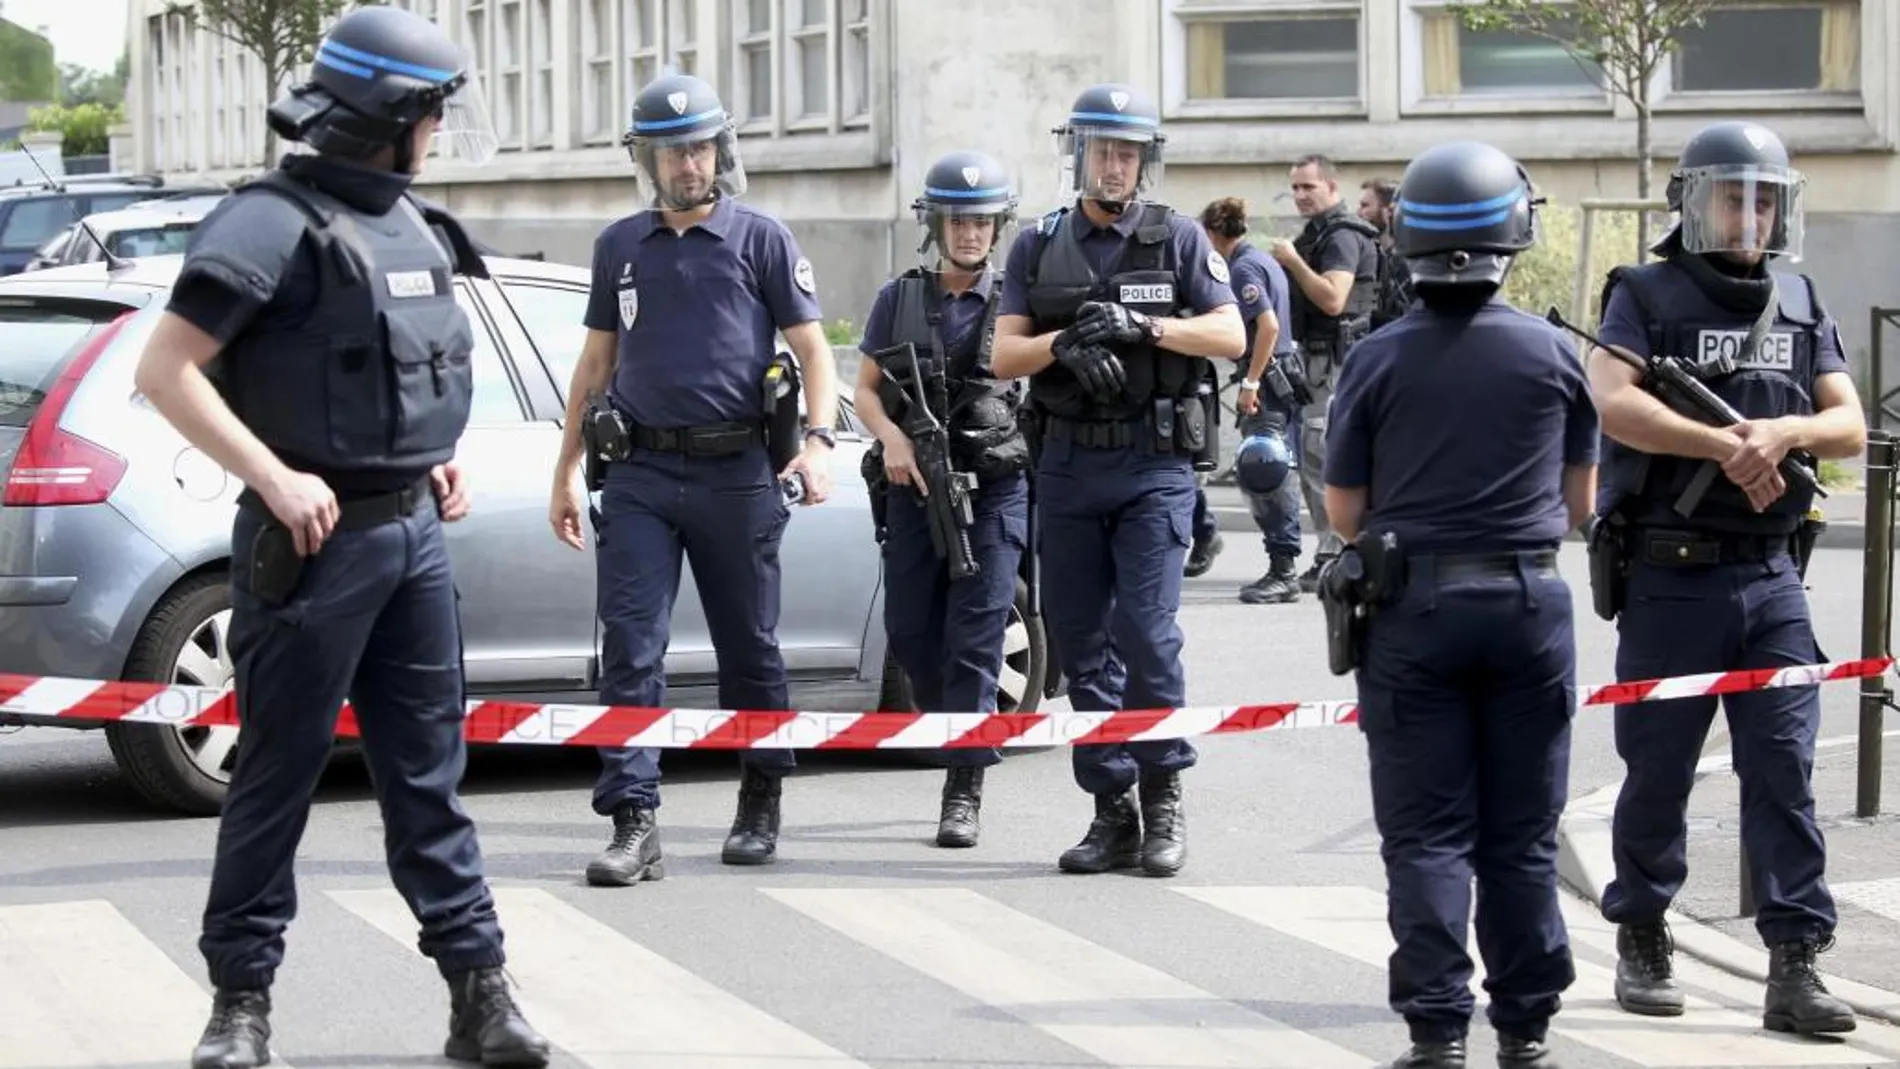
(88, 703)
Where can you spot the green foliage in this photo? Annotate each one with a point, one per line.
(82, 85)
(86, 128)
(27, 72)
(841, 332)
(1546, 274)
(1626, 38)
(1836, 476)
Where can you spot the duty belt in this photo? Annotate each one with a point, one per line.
(704, 440)
(1098, 434)
(1489, 565)
(1671, 548)
(358, 513)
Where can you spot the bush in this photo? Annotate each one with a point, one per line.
(1545, 275)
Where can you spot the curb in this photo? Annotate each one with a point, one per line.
(1584, 864)
(1838, 535)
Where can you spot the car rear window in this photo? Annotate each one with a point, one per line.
(37, 340)
(153, 241)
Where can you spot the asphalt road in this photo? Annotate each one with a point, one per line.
(864, 945)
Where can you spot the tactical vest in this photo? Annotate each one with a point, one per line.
(1331, 336)
(1061, 280)
(983, 433)
(1773, 381)
(378, 378)
(1395, 288)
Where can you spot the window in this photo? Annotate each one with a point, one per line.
(541, 89)
(552, 318)
(800, 65)
(1457, 61)
(32, 222)
(495, 400)
(1275, 55)
(510, 59)
(626, 44)
(1772, 47)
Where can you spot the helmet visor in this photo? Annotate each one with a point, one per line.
(1745, 210)
(1110, 164)
(964, 235)
(682, 171)
(467, 123)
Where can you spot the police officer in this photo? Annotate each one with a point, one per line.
(1110, 306)
(1395, 283)
(1716, 588)
(327, 279)
(686, 295)
(1333, 265)
(1266, 420)
(1463, 444)
(947, 633)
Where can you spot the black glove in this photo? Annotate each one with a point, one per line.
(1103, 323)
(1097, 369)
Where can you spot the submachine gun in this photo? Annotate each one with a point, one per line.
(947, 500)
(1671, 382)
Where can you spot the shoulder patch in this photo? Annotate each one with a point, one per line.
(1250, 293)
(1217, 266)
(802, 276)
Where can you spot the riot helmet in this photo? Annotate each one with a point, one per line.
(1463, 212)
(1110, 146)
(1262, 463)
(684, 145)
(965, 186)
(1734, 192)
(378, 72)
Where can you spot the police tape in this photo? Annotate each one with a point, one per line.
(37, 700)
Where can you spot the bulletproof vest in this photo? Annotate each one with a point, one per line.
(1771, 381)
(1395, 288)
(378, 378)
(981, 417)
(1143, 280)
(1316, 331)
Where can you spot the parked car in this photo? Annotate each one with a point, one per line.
(149, 228)
(31, 214)
(115, 532)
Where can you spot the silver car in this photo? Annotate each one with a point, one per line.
(115, 532)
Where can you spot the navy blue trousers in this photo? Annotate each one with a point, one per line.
(1277, 514)
(1114, 530)
(1684, 621)
(374, 621)
(727, 517)
(1466, 700)
(948, 636)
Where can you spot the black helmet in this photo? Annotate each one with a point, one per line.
(672, 111)
(378, 72)
(964, 184)
(1746, 166)
(1464, 209)
(1103, 114)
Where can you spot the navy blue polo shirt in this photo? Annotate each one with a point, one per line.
(961, 328)
(1460, 428)
(1260, 285)
(1201, 277)
(695, 312)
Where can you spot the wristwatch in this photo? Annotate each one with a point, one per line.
(824, 435)
(1250, 384)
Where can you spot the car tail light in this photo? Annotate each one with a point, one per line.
(53, 466)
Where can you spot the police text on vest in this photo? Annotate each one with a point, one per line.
(411, 283)
(1775, 353)
(1156, 293)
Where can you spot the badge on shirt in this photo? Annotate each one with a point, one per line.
(1250, 293)
(629, 306)
(410, 283)
(1217, 266)
(802, 276)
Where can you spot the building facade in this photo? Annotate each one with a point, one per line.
(843, 104)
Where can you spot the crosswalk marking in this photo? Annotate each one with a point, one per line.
(81, 986)
(1351, 921)
(1117, 1010)
(612, 1003)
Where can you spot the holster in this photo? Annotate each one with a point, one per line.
(273, 569)
(778, 405)
(605, 439)
(1805, 538)
(877, 487)
(1340, 582)
(1607, 545)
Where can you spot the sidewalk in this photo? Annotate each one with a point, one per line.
(1863, 872)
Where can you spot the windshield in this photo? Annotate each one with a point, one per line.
(36, 341)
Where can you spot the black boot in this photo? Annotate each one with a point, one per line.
(1796, 1000)
(1163, 826)
(1431, 1054)
(1517, 1052)
(754, 837)
(486, 1026)
(238, 1034)
(1645, 973)
(633, 854)
(1281, 585)
(962, 801)
(1201, 555)
(1113, 840)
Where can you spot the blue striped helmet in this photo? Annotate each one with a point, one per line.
(1463, 209)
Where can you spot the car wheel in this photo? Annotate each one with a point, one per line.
(186, 641)
(1025, 665)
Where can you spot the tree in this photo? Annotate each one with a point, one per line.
(85, 129)
(83, 85)
(27, 73)
(282, 34)
(1626, 39)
